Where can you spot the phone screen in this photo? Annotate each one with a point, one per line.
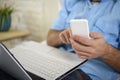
(80, 27)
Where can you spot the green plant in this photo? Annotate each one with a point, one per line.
(5, 12)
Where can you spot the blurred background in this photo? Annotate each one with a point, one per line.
(34, 16)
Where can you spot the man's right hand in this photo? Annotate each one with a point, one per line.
(65, 36)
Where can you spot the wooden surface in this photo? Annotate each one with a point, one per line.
(11, 34)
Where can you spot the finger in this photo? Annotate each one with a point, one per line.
(95, 35)
(62, 38)
(83, 57)
(70, 32)
(80, 47)
(82, 40)
(83, 54)
(66, 36)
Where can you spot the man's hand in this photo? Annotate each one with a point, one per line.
(65, 36)
(89, 48)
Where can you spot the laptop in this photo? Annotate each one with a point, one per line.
(11, 66)
(45, 61)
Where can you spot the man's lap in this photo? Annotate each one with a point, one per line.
(98, 70)
(77, 75)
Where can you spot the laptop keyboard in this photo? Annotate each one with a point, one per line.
(41, 60)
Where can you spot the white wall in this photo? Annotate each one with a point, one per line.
(35, 16)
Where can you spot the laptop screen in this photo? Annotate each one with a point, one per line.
(11, 66)
(5, 76)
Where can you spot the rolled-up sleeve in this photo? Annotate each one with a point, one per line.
(59, 24)
(65, 14)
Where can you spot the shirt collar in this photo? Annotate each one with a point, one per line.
(89, 2)
(103, 0)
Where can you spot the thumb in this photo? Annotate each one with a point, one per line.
(70, 32)
(95, 35)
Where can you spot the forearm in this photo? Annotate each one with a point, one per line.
(113, 58)
(53, 38)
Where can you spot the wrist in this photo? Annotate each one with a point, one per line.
(108, 51)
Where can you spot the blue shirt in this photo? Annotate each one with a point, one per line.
(104, 18)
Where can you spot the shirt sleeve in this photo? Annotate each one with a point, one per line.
(62, 21)
(59, 24)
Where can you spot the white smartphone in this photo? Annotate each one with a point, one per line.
(80, 27)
